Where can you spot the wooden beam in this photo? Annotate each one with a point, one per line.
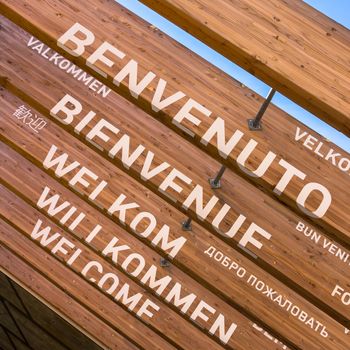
(287, 44)
(315, 280)
(193, 252)
(208, 86)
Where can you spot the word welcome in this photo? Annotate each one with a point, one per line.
(132, 262)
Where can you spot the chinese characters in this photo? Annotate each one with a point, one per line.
(31, 119)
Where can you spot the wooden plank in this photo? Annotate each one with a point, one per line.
(192, 255)
(288, 44)
(57, 299)
(15, 164)
(200, 81)
(164, 321)
(298, 264)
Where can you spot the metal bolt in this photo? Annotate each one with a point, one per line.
(186, 225)
(164, 262)
(255, 124)
(215, 183)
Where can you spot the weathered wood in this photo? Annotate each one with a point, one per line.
(185, 72)
(288, 44)
(290, 253)
(192, 253)
(54, 296)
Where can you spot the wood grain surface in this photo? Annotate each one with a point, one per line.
(192, 254)
(184, 71)
(312, 269)
(288, 44)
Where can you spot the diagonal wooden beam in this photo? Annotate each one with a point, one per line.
(286, 43)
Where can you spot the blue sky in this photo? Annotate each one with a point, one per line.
(339, 10)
